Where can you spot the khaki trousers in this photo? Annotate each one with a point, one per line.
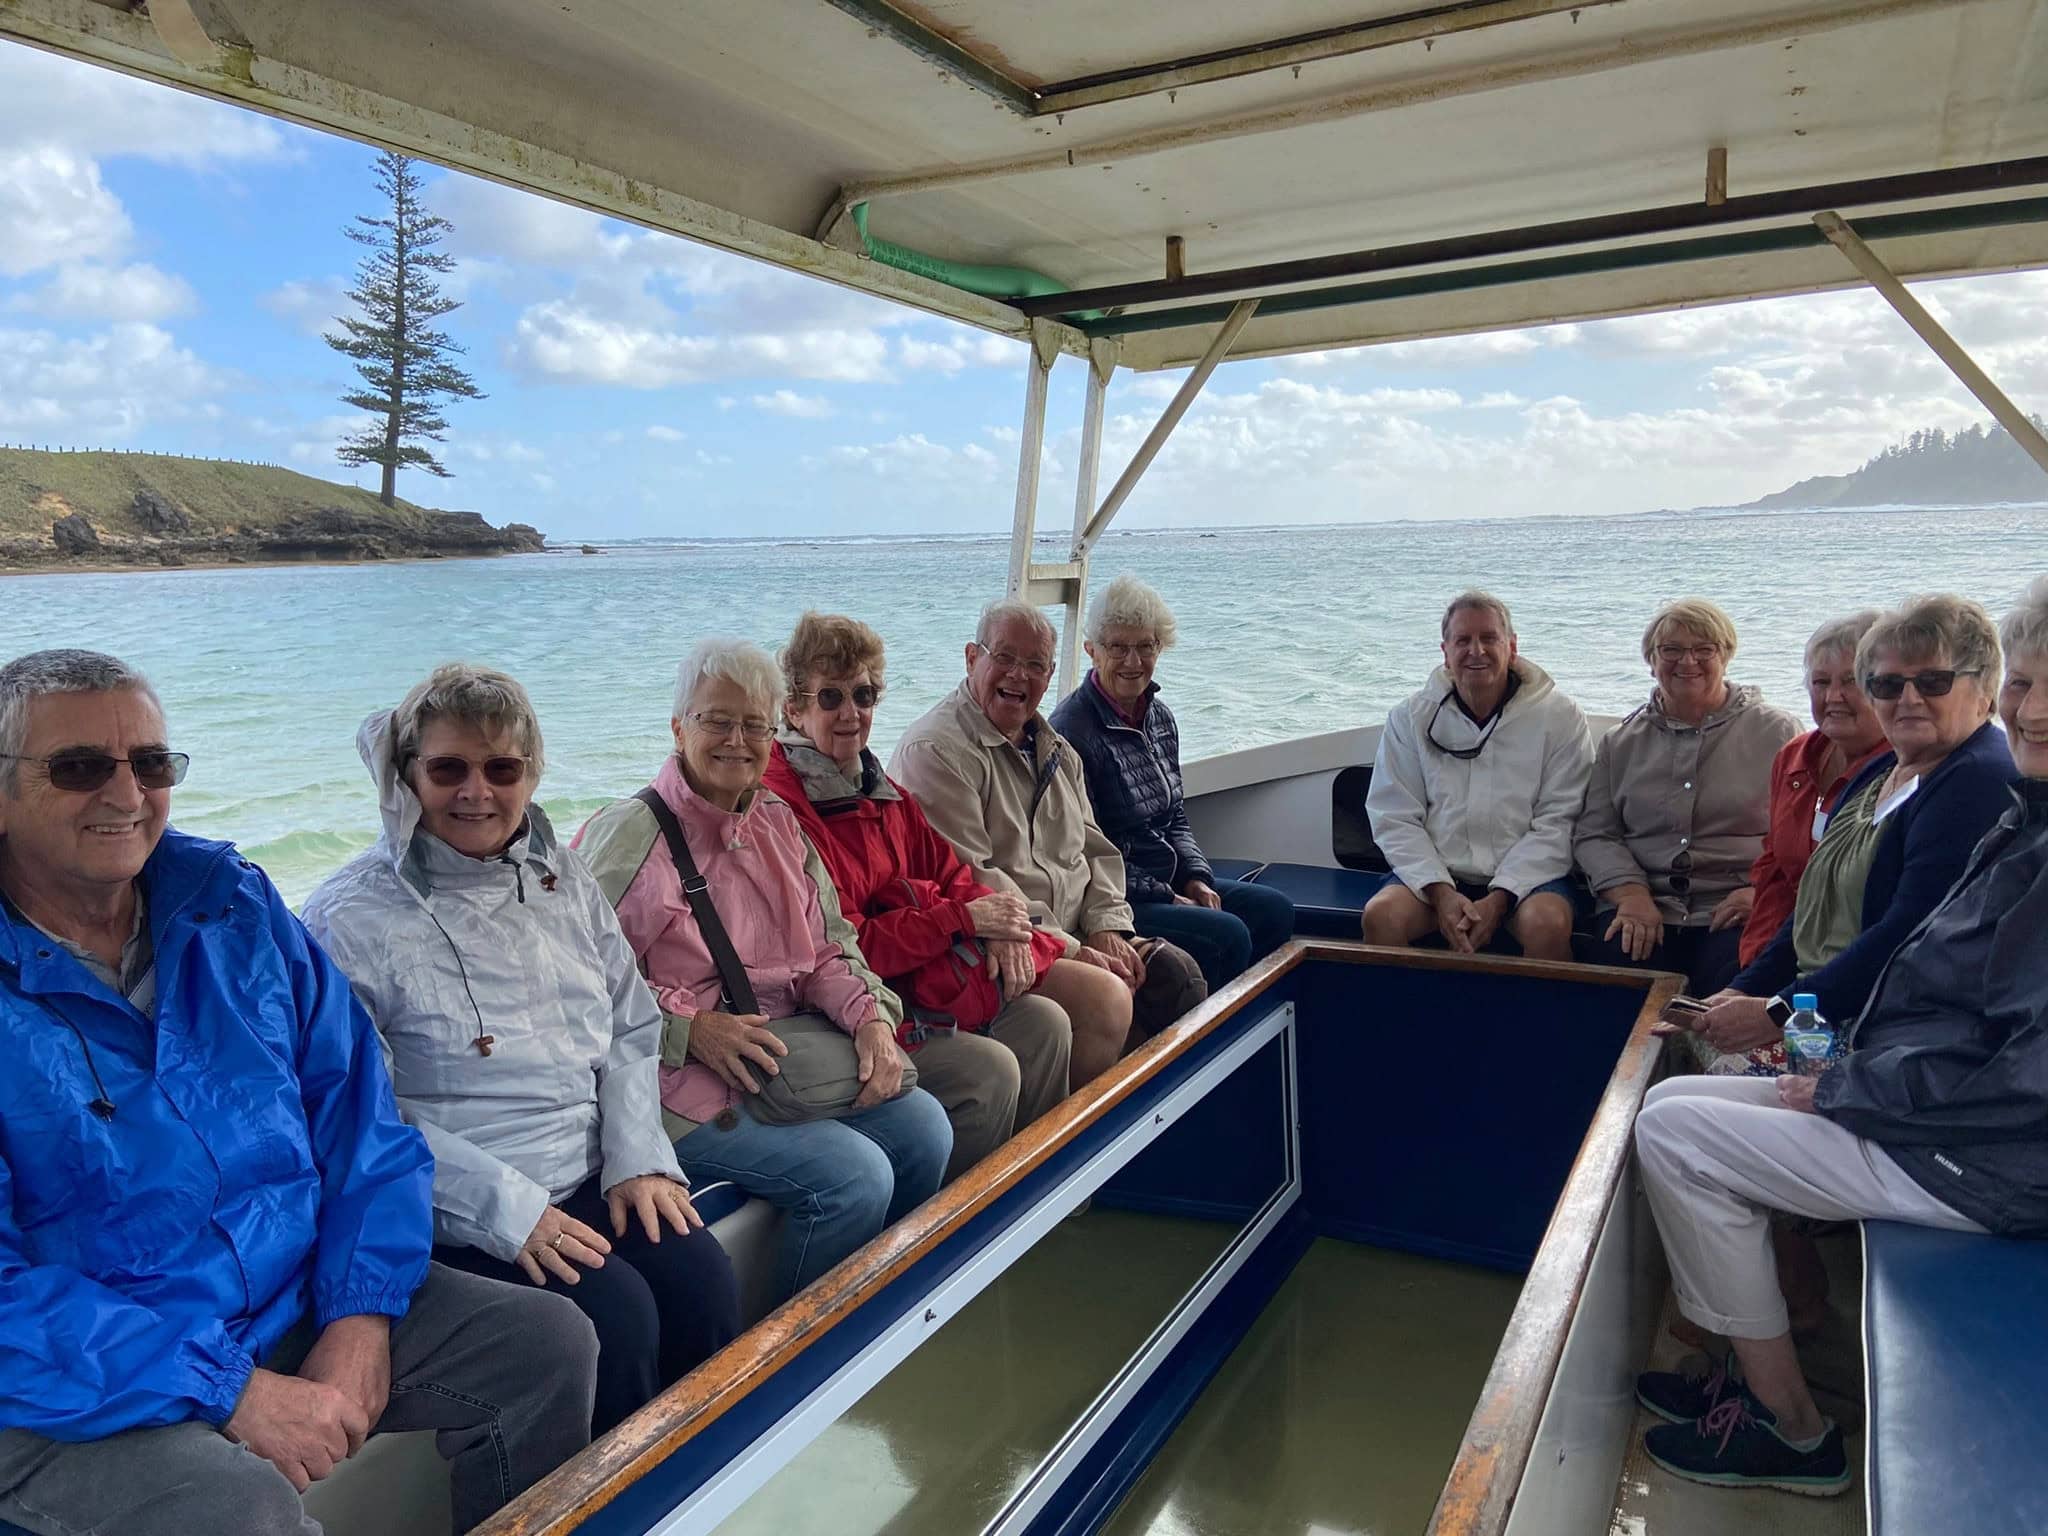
(995, 1083)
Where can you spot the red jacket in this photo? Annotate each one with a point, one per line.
(1796, 796)
(901, 885)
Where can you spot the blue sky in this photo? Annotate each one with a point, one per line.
(171, 262)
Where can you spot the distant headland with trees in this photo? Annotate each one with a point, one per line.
(1974, 467)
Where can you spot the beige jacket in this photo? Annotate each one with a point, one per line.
(1024, 827)
(1662, 790)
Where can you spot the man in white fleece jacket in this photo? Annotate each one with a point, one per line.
(1474, 792)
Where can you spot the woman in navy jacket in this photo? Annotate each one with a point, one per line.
(1898, 837)
(1130, 752)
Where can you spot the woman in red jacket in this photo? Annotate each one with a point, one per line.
(1001, 1024)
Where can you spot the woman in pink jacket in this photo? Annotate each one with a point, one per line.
(839, 1181)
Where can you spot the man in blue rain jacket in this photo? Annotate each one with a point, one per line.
(214, 1228)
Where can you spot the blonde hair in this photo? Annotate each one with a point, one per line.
(486, 700)
(829, 645)
(1939, 625)
(1703, 618)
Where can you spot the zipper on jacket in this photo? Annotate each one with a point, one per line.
(518, 879)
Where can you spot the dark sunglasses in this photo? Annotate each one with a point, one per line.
(80, 773)
(865, 696)
(1462, 754)
(1931, 684)
(453, 772)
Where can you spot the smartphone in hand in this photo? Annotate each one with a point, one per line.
(1685, 1012)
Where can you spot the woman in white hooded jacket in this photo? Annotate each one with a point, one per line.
(521, 1037)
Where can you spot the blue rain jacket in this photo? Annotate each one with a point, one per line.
(254, 1170)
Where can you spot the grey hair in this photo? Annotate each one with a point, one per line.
(736, 661)
(2025, 630)
(1922, 628)
(1841, 635)
(42, 673)
(1004, 609)
(488, 701)
(1482, 600)
(1127, 601)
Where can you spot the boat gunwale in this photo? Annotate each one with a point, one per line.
(584, 1485)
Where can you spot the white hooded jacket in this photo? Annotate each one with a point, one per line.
(1502, 818)
(570, 1087)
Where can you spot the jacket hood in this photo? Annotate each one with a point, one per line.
(1740, 697)
(417, 857)
(822, 778)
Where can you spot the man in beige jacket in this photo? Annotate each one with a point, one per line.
(1001, 785)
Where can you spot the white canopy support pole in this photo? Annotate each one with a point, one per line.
(1240, 316)
(1030, 450)
(1101, 364)
(1944, 346)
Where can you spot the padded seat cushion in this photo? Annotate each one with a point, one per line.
(1235, 869)
(715, 1202)
(1955, 1355)
(1326, 901)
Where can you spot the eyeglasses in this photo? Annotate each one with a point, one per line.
(1030, 666)
(1462, 754)
(80, 773)
(453, 772)
(1145, 651)
(864, 695)
(1931, 684)
(722, 726)
(1699, 653)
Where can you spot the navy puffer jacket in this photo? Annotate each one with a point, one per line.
(1134, 786)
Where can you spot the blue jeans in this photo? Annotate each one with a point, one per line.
(1255, 921)
(836, 1182)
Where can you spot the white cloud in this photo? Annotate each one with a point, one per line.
(914, 454)
(96, 113)
(55, 209)
(84, 291)
(787, 402)
(313, 443)
(308, 305)
(662, 434)
(557, 339)
(99, 389)
(967, 350)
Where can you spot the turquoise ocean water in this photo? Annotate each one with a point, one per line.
(266, 672)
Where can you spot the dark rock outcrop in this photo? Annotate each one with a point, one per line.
(155, 514)
(74, 535)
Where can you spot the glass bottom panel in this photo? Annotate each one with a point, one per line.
(941, 1444)
(1340, 1411)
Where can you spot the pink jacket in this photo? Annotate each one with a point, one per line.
(777, 903)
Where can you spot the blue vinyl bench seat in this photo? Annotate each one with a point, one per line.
(1955, 1343)
(1326, 901)
(1236, 869)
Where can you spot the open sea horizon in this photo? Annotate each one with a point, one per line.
(266, 671)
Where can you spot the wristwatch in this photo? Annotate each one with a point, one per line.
(1778, 1011)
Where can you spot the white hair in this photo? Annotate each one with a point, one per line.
(42, 673)
(1005, 609)
(1841, 636)
(1486, 602)
(1130, 604)
(2025, 630)
(734, 660)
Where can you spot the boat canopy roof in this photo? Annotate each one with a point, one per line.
(1404, 153)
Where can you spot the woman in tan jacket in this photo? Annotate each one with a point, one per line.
(1678, 805)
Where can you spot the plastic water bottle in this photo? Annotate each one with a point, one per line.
(1808, 1040)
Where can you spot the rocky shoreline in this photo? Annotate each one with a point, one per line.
(161, 533)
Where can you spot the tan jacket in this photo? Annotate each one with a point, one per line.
(1024, 827)
(1661, 790)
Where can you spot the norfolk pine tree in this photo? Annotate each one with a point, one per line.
(406, 365)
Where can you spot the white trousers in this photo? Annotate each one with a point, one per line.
(1719, 1154)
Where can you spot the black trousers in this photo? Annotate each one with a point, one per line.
(1708, 961)
(660, 1309)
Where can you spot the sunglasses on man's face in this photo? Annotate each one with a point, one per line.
(1931, 684)
(864, 696)
(80, 773)
(453, 772)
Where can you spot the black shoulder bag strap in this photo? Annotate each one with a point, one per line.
(739, 992)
